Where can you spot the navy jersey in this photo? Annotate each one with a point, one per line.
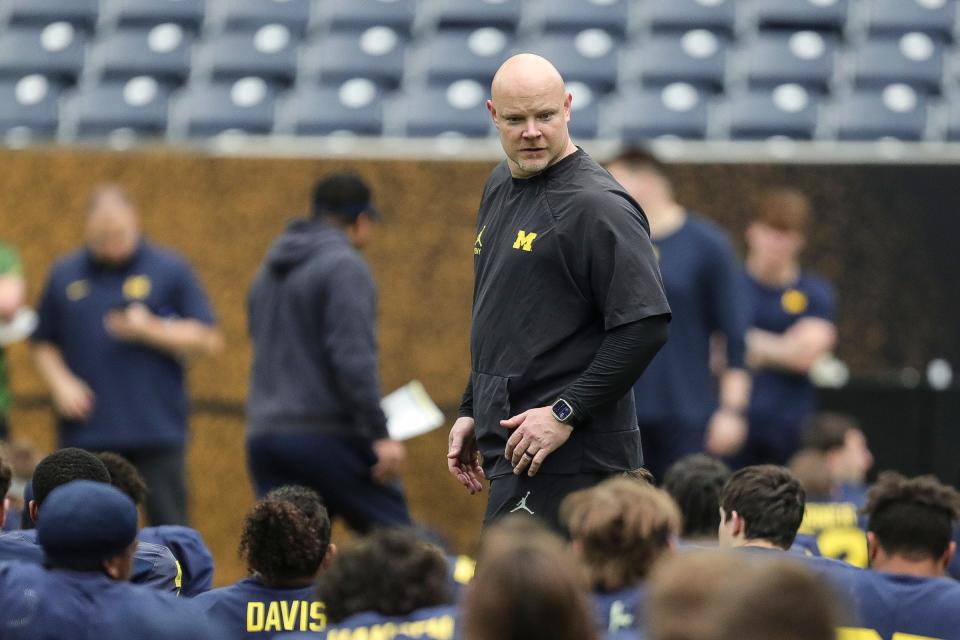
(153, 565)
(37, 604)
(140, 398)
(620, 615)
(781, 399)
(188, 547)
(702, 281)
(901, 607)
(836, 528)
(462, 569)
(250, 609)
(559, 259)
(431, 623)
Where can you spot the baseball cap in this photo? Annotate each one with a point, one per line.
(343, 194)
(86, 520)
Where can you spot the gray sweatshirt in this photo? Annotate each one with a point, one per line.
(312, 315)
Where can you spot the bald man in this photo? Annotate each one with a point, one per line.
(118, 318)
(568, 310)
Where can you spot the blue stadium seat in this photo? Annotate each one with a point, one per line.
(162, 51)
(458, 108)
(953, 119)
(355, 106)
(475, 14)
(146, 13)
(590, 56)
(30, 104)
(454, 55)
(698, 57)
(788, 110)
(914, 58)
(803, 57)
(269, 52)
(572, 16)
(356, 15)
(376, 53)
(249, 15)
(82, 14)
(897, 111)
(54, 50)
(935, 17)
(584, 112)
(802, 14)
(209, 109)
(676, 110)
(138, 105)
(683, 15)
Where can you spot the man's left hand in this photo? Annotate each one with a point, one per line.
(726, 433)
(391, 455)
(537, 434)
(132, 324)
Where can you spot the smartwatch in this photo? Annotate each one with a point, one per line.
(562, 411)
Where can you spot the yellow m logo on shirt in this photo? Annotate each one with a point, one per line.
(524, 240)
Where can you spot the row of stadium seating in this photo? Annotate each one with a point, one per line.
(716, 69)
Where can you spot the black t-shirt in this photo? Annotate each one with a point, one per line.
(559, 259)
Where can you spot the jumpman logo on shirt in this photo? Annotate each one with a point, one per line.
(522, 505)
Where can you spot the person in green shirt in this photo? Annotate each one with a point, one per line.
(12, 293)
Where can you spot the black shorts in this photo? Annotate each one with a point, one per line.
(538, 497)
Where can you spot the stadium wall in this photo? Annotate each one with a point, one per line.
(883, 234)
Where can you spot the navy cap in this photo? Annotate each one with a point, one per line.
(345, 195)
(86, 520)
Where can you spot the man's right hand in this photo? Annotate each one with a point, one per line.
(72, 398)
(463, 457)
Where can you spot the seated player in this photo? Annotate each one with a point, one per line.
(714, 595)
(88, 534)
(761, 508)
(12, 547)
(619, 529)
(906, 595)
(386, 585)
(695, 482)
(526, 587)
(6, 478)
(154, 565)
(186, 544)
(833, 466)
(285, 542)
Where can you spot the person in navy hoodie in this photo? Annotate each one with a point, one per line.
(285, 542)
(619, 529)
(89, 536)
(909, 534)
(154, 565)
(186, 544)
(388, 584)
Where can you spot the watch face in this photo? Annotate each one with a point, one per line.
(562, 410)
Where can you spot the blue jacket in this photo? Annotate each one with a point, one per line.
(37, 604)
(153, 565)
(188, 547)
(312, 314)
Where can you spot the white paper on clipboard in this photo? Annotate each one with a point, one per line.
(410, 412)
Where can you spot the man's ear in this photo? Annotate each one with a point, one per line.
(493, 110)
(739, 526)
(948, 555)
(328, 556)
(873, 547)
(34, 509)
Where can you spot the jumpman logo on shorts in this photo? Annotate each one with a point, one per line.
(523, 505)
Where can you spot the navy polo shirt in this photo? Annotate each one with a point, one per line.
(780, 399)
(141, 401)
(620, 615)
(702, 280)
